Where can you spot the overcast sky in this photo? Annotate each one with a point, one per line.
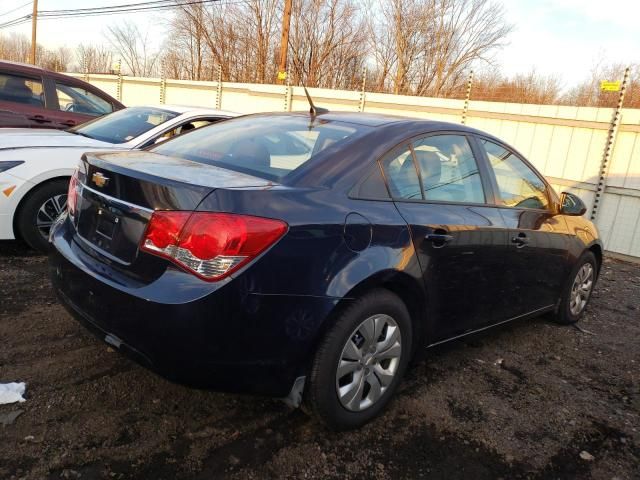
(560, 37)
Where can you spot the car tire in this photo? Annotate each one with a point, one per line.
(373, 370)
(38, 210)
(578, 289)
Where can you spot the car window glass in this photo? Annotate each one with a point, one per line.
(124, 125)
(372, 187)
(78, 100)
(519, 186)
(448, 169)
(23, 90)
(183, 128)
(401, 174)
(268, 147)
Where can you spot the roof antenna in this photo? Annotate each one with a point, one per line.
(313, 110)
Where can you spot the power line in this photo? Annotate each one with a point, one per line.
(17, 8)
(114, 10)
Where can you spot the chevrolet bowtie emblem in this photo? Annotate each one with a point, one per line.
(99, 179)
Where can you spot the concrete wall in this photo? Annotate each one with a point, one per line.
(565, 143)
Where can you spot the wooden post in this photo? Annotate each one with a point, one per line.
(608, 149)
(34, 27)
(284, 41)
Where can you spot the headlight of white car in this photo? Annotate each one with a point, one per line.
(4, 166)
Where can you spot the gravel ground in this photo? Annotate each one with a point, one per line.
(530, 400)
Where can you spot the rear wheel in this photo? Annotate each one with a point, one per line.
(360, 361)
(578, 289)
(38, 212)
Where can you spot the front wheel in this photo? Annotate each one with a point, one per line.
(577, 291)
(360, 361)
(38, 212)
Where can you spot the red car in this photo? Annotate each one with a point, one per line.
(38, 98)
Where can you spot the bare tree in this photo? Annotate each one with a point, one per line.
(588, 92)
(328, 41)
(93, 58)
(133, 46)
(427, 46)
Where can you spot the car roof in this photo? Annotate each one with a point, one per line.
(376, 120)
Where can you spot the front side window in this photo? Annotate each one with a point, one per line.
(124, 125)
(402, 176)
(269, 147)
(27, 91)
(519, 186)
(78, 100)
(448, 169)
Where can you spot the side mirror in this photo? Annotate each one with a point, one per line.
(572, 205)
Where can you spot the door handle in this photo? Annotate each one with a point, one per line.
(439, 238)
(40, 118)
(69, 123)
(520, 240)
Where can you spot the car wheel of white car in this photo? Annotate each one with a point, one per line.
(39, 210)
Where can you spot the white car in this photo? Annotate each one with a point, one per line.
(36, 164)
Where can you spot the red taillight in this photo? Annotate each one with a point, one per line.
(72, 194)
(210, 245)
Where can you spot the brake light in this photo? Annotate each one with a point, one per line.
(210, 245)
(72, 194)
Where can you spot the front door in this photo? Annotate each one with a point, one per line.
(459, 239)
(537, 253)
(22, 101)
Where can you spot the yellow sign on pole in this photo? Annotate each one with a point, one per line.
(607, 86)
(282, 75)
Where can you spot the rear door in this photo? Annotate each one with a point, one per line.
(22, 101)
(70, 104)
(536, 259)
(440, 190)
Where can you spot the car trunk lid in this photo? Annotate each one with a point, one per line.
(118, 193)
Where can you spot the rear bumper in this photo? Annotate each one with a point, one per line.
(225, 338)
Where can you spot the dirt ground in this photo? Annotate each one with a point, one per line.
(530, 400)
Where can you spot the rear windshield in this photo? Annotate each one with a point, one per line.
(268, 147)
(124, 125)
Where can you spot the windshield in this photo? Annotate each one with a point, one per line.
(268, 147)
(124, 125)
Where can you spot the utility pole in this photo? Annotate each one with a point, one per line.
(284, 42)
(34, 21)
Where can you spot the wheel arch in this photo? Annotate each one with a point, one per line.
(27, 194)
(597, 251)
(406, 287)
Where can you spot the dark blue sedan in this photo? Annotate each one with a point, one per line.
(310, 256)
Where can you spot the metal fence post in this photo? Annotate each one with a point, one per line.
(467, 97)
(85, 67)
(288, 94)
(608, 148)
(362, 90)
(219, 89)
(163, 84)
(119, 85)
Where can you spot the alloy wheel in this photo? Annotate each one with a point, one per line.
(581, 289)
(48, 212)
(368, 363)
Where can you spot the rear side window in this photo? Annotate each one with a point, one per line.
(78, 100)
(27, 91)
(268, 147)
(402, 176)
(519, 186)
(448, 169)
